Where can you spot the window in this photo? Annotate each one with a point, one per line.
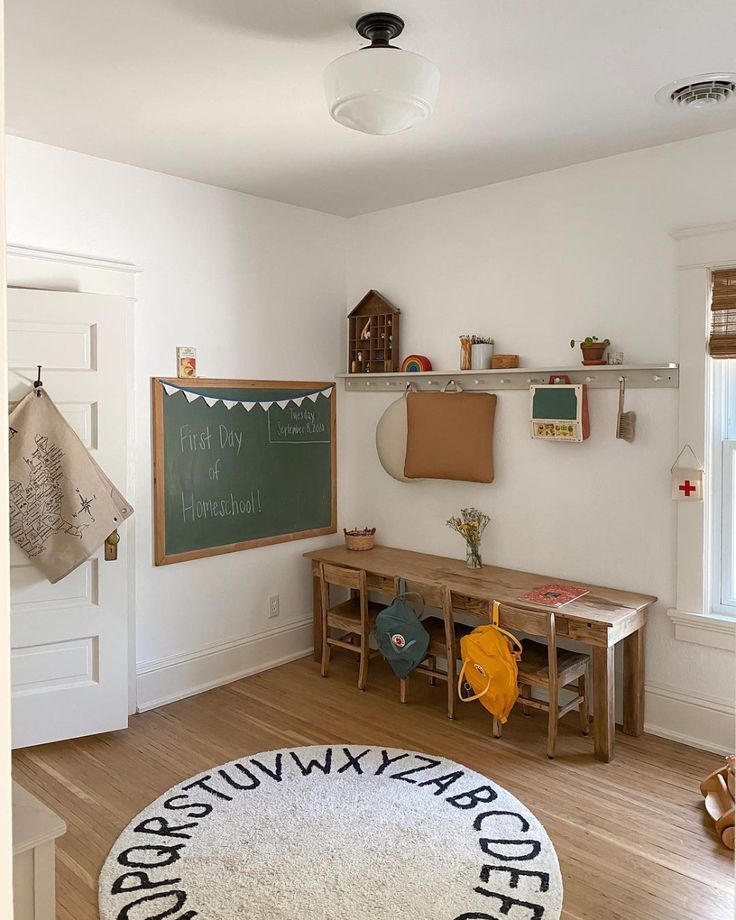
(722, 346)
(698, 615)
(723, 488)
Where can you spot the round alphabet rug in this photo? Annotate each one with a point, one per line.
(334, 833)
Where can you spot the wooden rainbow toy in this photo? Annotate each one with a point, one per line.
(413, 364)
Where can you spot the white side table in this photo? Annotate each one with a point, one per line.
(35, 828)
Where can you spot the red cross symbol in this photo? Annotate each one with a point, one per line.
(687, 487)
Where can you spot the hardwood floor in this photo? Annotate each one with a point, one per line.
(632, 836)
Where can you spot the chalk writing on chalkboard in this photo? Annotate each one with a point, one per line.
(297, 425)
(239, 464)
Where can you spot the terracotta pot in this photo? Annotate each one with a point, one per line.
(593, 354)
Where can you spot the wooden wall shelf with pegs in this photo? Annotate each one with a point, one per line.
(604, 376)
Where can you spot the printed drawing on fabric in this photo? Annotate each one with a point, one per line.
(62, 505)
(35, 508)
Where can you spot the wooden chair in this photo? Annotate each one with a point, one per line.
(547, 668)
(354, 617)
(444, 641)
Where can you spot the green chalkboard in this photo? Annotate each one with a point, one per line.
(555, 402)
(241, 463)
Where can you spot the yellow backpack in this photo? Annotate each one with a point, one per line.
(490, 667)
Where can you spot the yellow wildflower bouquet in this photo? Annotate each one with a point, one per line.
(470, 525)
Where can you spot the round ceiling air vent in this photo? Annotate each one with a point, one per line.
(699, 92)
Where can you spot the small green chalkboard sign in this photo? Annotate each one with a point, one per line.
(559, 411)
(241, 463)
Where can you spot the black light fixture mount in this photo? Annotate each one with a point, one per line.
(380, 28)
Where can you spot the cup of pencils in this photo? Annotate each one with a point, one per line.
(481, 353)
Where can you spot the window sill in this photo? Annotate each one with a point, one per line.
(713, 630)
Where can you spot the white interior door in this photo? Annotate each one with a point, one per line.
(70, 640)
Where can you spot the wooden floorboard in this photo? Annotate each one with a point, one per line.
(632, 836)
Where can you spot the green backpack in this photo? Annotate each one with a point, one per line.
(400, 635)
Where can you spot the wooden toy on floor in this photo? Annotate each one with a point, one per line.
(718, 790)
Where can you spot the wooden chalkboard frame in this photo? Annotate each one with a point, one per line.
(161, 557)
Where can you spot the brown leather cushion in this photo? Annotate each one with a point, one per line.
(450, 436)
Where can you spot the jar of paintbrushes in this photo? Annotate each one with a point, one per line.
(476, 353)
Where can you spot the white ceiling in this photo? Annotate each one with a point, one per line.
(229, 92)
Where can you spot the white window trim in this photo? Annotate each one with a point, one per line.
(700, 251)
(711, 629)
(724, 499)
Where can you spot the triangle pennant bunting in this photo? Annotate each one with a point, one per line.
(190, 396)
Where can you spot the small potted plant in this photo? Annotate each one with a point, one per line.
(592, 349)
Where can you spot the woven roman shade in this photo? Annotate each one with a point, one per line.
(722, 341)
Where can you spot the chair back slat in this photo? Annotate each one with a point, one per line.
(532, 622)
(339, 575)
(434, 595)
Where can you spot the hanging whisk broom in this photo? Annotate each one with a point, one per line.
(625, 421)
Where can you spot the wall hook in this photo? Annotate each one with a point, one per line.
(38, 383)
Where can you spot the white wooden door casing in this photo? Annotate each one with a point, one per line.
(70, 640)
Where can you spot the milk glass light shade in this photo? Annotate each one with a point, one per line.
(381, 90)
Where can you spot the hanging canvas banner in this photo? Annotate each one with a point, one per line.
(62, 505)
(687, 481)
(687, 484)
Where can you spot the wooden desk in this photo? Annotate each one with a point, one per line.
(600, 619)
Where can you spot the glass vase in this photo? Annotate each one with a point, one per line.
(472, 555)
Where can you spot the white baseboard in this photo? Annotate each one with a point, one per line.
(178, 676)
(700, 721)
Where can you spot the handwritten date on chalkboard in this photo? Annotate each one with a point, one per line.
(250, 465)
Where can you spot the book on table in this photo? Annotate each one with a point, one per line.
(555, 595)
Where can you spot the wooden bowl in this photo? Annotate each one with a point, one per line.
(359, 542)
(503, 362)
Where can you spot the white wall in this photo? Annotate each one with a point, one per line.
(257, 287)
(535, 262)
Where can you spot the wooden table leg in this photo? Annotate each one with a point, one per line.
(634, 683)
(604, 714)
(316, 608)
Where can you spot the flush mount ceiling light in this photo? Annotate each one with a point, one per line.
(704, 90)
(381, 89)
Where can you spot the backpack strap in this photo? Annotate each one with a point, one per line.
(516, 646)
(418, 607)
(477, 696)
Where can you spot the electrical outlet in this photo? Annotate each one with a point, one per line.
(273, 606)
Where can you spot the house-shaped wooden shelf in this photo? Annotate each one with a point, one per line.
(373, 336)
